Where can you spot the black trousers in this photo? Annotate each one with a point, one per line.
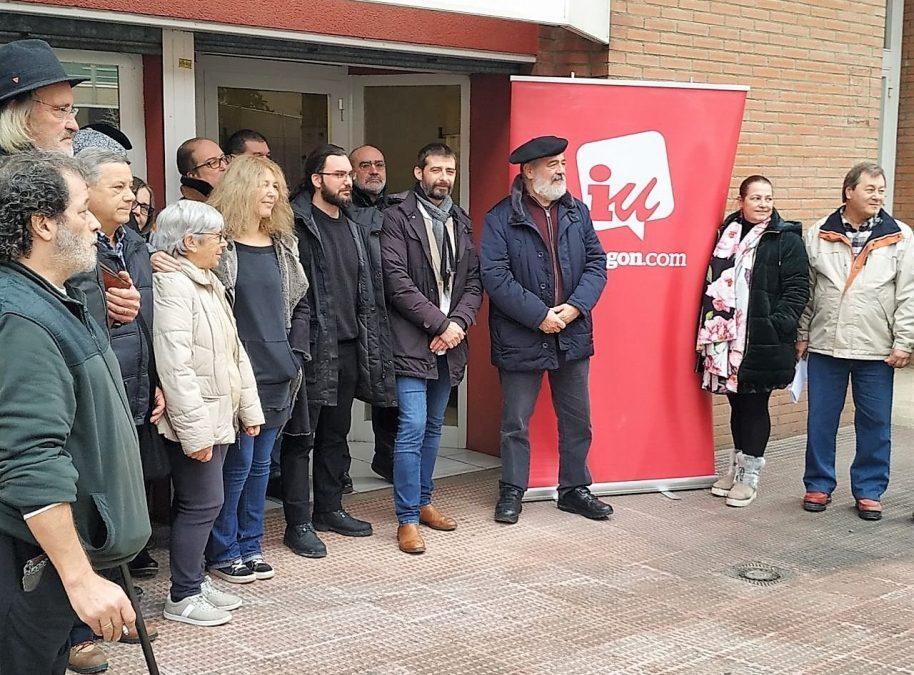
(331, 450)
(750, 422)
(384, 425)
(34, 626)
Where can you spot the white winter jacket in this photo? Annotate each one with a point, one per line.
(204, 371)
(859, 307)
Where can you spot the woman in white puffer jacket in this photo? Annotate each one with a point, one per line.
(210, 395)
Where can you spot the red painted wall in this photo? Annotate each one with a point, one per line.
(155, 126)
(490, 107)
(341, 17)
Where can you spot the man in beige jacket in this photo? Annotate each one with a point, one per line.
(859, 323)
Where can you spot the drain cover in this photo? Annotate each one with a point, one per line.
(759, 574)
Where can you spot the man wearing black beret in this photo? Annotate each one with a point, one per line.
(544, 270)
(36, 99)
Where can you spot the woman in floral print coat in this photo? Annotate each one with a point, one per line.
(755, 291)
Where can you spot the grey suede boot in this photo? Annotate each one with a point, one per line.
(745, 487)
(722, 485)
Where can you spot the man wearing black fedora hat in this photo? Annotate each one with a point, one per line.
(36, 99)
(544, 270)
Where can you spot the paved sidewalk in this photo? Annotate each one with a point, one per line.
(651, 591)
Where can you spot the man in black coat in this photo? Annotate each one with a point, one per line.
(433, 290)
(349, 345)
(369, 190)
(544, 270)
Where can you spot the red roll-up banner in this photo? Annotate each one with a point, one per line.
(653, 162)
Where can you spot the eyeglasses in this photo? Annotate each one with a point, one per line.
(220, 235)
(61, 112)
(214, 163)
(378, 164)
(141, 207)
(339, 175)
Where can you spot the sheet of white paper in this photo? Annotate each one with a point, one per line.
(799, 381)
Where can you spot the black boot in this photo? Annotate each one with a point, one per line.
(509, 506)
(303, 541)
(581, 501)
(347, 483)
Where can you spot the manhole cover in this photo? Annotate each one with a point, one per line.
(759, 574)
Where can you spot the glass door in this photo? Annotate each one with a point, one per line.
(295, 106)
(399, 114)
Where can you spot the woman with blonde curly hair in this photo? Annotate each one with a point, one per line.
(267, 285)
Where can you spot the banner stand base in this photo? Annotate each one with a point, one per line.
(628, 487)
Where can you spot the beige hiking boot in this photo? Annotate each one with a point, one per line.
(745, 487)
(722, 485)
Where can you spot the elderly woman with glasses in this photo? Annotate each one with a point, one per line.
(211, 394)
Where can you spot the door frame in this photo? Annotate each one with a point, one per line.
(891, 82)
(129, 96)
(451, 437)
(251, 73)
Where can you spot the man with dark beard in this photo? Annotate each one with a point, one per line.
(431, 274)
(544, 270)
(350, 355)
(72, 485)
(369, 190)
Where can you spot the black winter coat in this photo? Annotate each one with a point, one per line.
(130, 341)
(377, 383)
(517, 274)
(412, 291)
(777, 296)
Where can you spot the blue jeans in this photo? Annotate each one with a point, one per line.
(239, 527)
(872, 383)
(422, 406)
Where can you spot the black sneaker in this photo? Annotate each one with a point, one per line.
(234, 573)
(347, 483)
(303, 541)
(509, 505)
(260, 569)
(341, 523)
(143, 566)
(581, 501)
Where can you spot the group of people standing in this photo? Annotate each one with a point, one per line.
(842, 298)
(196, 340)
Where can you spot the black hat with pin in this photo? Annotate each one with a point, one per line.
(536, 148)
(27, 65)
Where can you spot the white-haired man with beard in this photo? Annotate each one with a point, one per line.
(73, 501)
(544, 270)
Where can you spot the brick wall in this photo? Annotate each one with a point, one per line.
(904, 155)
(812, 111)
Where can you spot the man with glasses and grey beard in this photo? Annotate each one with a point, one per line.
(544, 270)
(202, 164)
(369, 190)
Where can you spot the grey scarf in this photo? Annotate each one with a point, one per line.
(439, 216)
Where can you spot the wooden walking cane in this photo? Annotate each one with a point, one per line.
(145, 642)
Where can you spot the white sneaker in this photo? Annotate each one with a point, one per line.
(217, 598)
(195, 610)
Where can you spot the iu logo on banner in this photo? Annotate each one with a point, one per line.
(626, 181)
(653, 164)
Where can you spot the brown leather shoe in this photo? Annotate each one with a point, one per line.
(87, 657)
(869, 509)
(431, 517)
(409, 539)
(133, 637)
(816, 501)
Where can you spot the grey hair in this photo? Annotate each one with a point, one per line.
(14, 124)
(91, 161)
(181, 219)
(856, 173)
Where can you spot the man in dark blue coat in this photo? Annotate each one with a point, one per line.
(544, 270)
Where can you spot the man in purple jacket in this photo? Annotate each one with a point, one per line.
(433, 291)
